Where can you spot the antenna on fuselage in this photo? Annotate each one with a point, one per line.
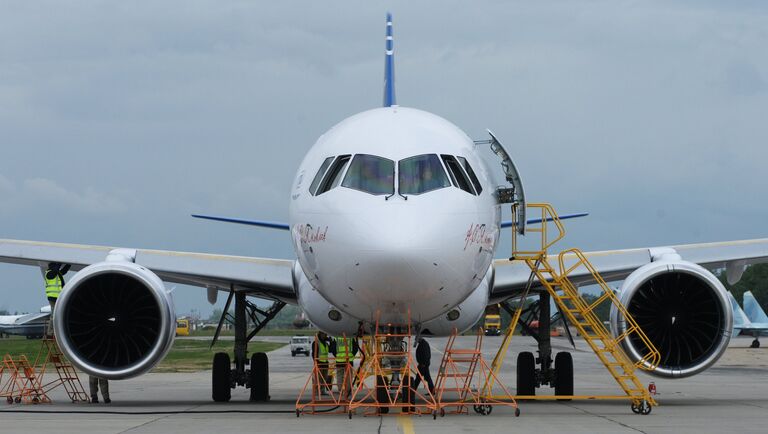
(389, 67)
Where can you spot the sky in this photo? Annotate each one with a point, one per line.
(120, 119)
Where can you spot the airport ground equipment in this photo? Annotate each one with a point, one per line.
(23, 383)
(325, 392)
(26, 383)
(460, 372)
(383, 381)
(256, 376)
(50, 354)
(581, 314)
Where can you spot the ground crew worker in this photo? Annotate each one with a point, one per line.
(423, 358)
(344, 350)
(54, 282)
(94, 383)
(320, 349)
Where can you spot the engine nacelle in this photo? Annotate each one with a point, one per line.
(115, 320)
(683, 309)
(469, 312)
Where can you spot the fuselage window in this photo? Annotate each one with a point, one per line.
(421, 174)
(371, 174)
(458, 176)
(319, 176)
(333, 177)
(471, 173)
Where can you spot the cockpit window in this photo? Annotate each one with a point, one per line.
(471, 173)
(319, 176)
(333, 177)
(421, 174)
(458, 177)
(371, 174)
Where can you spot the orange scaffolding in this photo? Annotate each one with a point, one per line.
(460, 370)
(384, 380)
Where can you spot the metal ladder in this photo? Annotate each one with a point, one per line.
(67, 376)
(581, 314)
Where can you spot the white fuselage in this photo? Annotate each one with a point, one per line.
(382, 256)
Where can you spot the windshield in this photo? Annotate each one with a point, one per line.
(421, 174)
(371, 174)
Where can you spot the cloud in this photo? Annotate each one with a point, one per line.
(37, 194)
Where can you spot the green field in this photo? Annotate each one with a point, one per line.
(186, 355)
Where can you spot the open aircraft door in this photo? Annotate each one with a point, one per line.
(513, 193)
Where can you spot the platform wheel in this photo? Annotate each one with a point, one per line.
(17, 400)
(517, 412)
(9, 400)
(349, 414)
(755, 344)
(442, 412)
(298, 413)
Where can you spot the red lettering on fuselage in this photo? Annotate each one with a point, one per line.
(309, 235)
(477, 235)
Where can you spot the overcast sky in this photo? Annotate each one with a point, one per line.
(118, 120)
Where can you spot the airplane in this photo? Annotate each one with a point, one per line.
(393, 217)
(756, 318)
(31, 325)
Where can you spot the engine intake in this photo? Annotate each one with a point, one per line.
(685, 312)
(115, 320)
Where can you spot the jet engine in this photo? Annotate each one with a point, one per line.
(115, 320)
(683, 309)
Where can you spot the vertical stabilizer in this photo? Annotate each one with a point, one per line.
(389, 67)
(752, 308)
(740, 319)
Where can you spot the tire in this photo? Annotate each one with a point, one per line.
(564, 374)
(755, 344)
(382, 396)
(259, 377)
(526, 374)
(221, 377)
(293, 353)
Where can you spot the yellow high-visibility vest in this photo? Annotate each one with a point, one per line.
(322, 351)
(344, 350)
(52, 286)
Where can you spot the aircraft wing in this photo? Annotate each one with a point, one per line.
(511, 277)
(271, 278)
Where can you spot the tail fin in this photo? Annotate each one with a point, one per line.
(740, 319)
(754, 311)
(389, 67)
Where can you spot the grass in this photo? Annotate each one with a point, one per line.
(264, 332)
(186, 355)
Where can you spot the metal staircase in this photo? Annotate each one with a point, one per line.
(580, 313)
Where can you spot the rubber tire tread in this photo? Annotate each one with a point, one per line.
(220, 378)
(564, 374)
(259, 377)
(526, 373)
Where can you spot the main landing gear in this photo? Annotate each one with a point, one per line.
(225, 376)
(529, 376)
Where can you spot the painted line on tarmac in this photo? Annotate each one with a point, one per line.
(406, 423)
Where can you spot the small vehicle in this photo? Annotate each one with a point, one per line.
(182, 327)
(300, 344)
(492, 325)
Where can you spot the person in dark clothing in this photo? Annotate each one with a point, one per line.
(423, 358)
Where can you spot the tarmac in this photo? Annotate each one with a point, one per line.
(732, 396)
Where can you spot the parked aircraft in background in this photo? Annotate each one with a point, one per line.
(394, 217)
(752, 319)
(31, 325)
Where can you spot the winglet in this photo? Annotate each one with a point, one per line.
(389, 67)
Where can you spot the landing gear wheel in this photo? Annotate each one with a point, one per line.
(382, 395)
(259, 377)
(755, 344)
(526, 374)
(563, 374)
(221, 377)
